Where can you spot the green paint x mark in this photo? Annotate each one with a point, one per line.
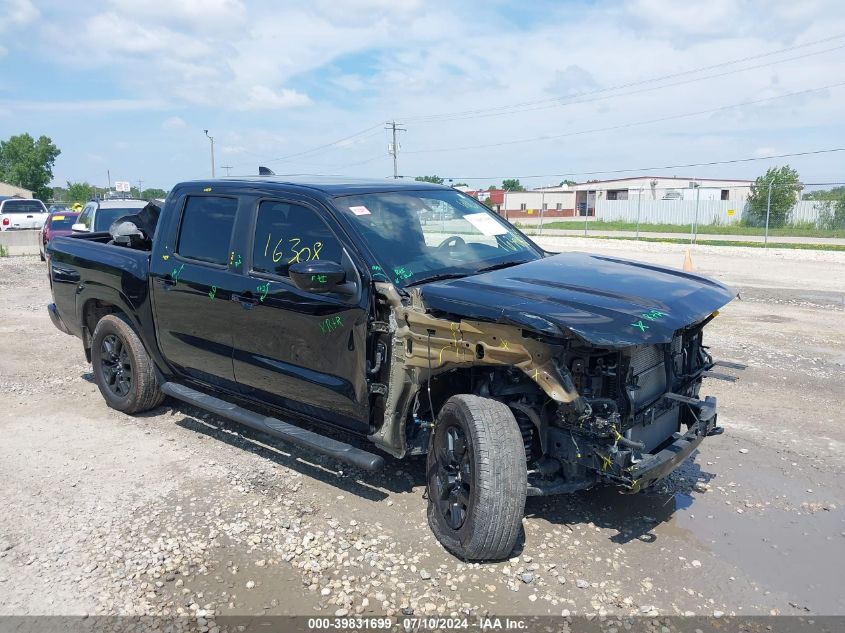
(643, 327)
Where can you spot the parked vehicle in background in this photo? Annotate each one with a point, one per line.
(97, 215)
(58, 207)
(21, 213)
(57, 224)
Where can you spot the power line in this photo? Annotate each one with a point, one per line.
(624, 125)
(227, 168)
(561, 101)
(315, 149)
(622, 171)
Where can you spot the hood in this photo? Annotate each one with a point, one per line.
(603, 300)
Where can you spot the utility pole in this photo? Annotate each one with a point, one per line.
(393, 148)
(227, 168)
(768, 213)
(211, 138)
(140, 182)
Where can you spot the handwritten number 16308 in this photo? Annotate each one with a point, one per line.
(304, 254)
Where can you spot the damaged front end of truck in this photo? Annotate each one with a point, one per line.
(602, 394)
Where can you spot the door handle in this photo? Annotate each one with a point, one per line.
(245, 301)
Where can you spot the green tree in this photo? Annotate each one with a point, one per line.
(512, 184)
(460, 184)
(568, 183)
(149, 194)
(785, 186)
(79, 192)
(28, 163)
(437, 180)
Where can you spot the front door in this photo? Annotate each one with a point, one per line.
(302, 351)
(194, 278)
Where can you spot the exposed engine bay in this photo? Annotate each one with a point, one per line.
(587, 414)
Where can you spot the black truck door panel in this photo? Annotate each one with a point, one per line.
(193, 279)
(302, 351)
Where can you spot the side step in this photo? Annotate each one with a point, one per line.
(290, 433)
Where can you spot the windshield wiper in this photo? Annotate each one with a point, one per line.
(501, 265)
(439, 277)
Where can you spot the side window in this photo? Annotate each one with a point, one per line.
(289, 233)
(85, 216)
(206, 230)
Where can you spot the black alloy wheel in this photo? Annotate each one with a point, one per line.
(116, 365)
(453, 482)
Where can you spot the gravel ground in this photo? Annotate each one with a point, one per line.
(177, 512)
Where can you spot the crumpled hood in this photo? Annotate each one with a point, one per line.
(604, 300)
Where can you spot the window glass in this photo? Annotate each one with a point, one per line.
(104, 218)
(85, 218)
(289, 233)
(206, 231)
(24, 206)
(416, 235)
(63, 221)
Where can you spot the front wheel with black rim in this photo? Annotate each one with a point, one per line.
(477, 478)
(123, 370)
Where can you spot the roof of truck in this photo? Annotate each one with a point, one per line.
(331, 185)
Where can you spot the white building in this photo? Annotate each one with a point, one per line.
(11, 190)
(654, 188)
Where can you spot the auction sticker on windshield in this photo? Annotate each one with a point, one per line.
(361, 210)
(485, 224)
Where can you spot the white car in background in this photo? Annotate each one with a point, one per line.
(97, 215)
(21, 213)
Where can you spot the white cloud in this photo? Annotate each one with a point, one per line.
(173, 123)
(264, 98)
(765, 152)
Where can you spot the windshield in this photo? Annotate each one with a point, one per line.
(105, 217)
(419, 235)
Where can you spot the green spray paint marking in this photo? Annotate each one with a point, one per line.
(234, 259)
(331, 324)
(643, 327)
(402, 273)
(653, 315)
(176, 272)
(263, 289)
(213, 292)
(320, 279)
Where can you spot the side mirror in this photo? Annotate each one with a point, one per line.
(317, 276)
(79, 227)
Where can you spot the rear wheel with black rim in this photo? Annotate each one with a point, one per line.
(123, 370)
(477, 478)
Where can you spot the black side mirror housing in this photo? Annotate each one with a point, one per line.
(317, 275)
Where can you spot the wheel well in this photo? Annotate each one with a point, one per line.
(92, 312)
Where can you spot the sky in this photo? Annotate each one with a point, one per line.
(541, 91)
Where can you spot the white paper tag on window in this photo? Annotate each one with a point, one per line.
(485, 224)
(360, 210)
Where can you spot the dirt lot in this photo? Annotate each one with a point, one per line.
(178, 512)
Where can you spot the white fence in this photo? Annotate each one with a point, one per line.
(684, 211)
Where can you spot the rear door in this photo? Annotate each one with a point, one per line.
(194, 276)
(23, 214)
(299, 350)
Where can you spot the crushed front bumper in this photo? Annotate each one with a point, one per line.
(654, 467)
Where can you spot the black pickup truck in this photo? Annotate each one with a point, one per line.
(294, 305)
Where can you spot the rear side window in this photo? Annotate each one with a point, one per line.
(289, 233)
(62, 222)
(206, 230)
(23, 206)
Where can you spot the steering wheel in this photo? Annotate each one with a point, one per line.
(452, 242)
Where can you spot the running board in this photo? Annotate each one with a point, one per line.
(290, 433)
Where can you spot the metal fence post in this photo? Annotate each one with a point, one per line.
(586, 211)
(768, 212)
(639, 205)
(542, 210)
